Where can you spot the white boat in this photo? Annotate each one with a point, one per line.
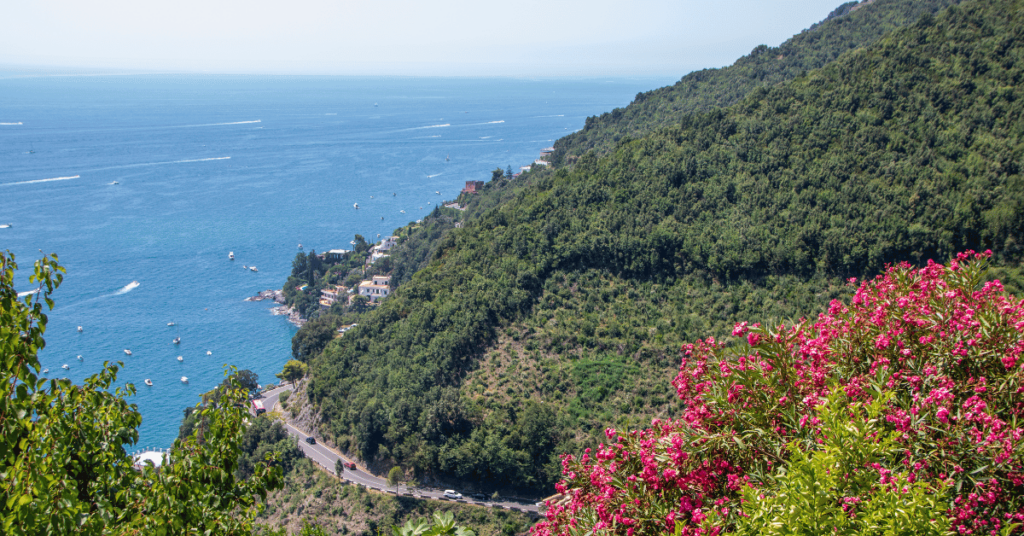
(65, 367)
(355, 205)
(403, 212)
(244, 267)
(170, 323)
(127, 352)
(437, 192)
(231, 255)
(184, 379)
(209, 352)
(79, 329)
(177, 340)
(115, 183)
(180, 358)
(45, 370)
(6, 225)
(148, 382)
(253, 268)
(300, 245)
(79, 357)
(353, 242)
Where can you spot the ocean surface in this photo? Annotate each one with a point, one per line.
(207, 165)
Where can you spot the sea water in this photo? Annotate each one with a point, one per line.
(207, 165)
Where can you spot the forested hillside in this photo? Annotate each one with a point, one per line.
(848, 27)
(561, 310)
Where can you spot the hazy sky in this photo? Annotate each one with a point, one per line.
(399, 37)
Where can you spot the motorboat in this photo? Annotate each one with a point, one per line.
(184, 379)
(65, 367)
(115, 183)
(244, 267)
(180, 359)
(353, 242)
(209, 352)
(300, 245)
(127, 352)
(231, 255)
(170, 323)
(79, 357)
(403, 212)
(79, 329)
(438, 192)
(148, 382)
(177, 340)
(45, 370)
(253, 268)
(355, 205)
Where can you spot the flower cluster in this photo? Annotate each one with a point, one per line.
(939, 350)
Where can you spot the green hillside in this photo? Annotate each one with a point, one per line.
(848, 27)
(560, 310)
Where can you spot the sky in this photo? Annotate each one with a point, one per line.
(398, 37)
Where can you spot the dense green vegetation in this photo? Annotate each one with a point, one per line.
(848, 27)
(560, 307)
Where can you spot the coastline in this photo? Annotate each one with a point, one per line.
(281, 310)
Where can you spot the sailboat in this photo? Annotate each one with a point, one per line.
(177, 340)
(447, 158)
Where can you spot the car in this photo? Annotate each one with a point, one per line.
(452, 494)
(311, 440)
(349, 465)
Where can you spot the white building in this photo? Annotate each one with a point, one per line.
(335, 255)
(377, 289)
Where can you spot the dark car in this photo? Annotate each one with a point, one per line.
(311, 440)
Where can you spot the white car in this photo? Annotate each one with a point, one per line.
(452, 494)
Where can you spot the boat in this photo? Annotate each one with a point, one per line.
(127, 352)
(79, 357)
(177, 340)
(253, 268)
(6, 225)
(300, 245)
(184, 379)
(148, 382)
(375, 105)
(170, 323)
(65, 367)
(231, 255)
(382, 217)
(393, 194)
(115, 183)
(437, 192)
(353, 242)
(355, 206)
(45, 370)
(403, 212)
(371, 197)
(209, 352)
(79, 329)
(447, 158)
(244, 267)
(180, 358)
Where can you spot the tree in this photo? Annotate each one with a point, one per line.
(497, 174)
(443, 525)
(395, 476)
(293, 371)
(62, 446)
(359, 304)
(312, 337)
(508, 173)
(247, 379)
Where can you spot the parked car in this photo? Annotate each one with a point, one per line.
(311, 440)
(349, 465)
(452, 494)
(479, 496)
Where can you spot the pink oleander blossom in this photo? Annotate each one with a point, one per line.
(942, 344)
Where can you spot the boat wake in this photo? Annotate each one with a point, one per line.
(10, 124)
(428, 126)
(494, 122)
(27, 292)
(145, 164)
(435, 175)
(127, 288)
(222, 124)
(539, 116)
(40, 180)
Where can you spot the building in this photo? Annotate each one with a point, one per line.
(388, 243)
(473, 187)
(546, 152)
(540, 162)
(329, 296)
(376, 256)
(376, 289)
(335, 255)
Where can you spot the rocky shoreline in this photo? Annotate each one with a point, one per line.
(281, 310)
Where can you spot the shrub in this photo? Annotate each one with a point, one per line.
(864, 419)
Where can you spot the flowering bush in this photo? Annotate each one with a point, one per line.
(886, 412)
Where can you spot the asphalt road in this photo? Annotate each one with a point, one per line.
(327, 458)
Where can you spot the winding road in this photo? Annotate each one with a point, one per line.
(327, 458)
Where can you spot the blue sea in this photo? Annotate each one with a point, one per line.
(207, 165)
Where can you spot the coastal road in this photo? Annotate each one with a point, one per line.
(327, 458)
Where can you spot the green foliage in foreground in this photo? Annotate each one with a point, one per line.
(63, 465)
(584, 281)
(849, 27)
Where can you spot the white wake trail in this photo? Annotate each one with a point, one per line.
(10, 124)
(40, 180)
(128, 288)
